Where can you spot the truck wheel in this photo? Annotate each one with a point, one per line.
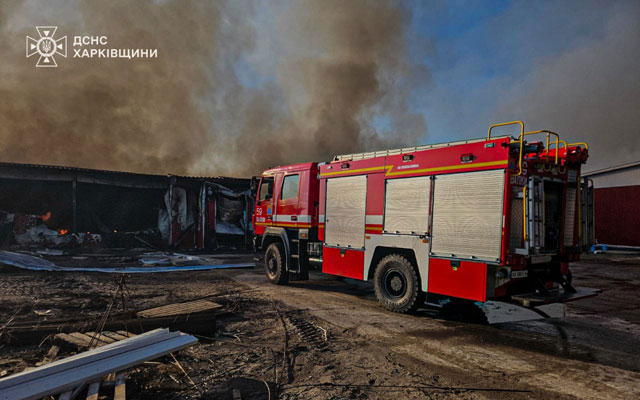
(274, 264)
(397, 285)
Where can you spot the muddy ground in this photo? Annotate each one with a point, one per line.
(327, 338)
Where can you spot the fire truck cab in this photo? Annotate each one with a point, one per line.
(496, 217)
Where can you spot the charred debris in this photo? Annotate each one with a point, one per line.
(53, 207)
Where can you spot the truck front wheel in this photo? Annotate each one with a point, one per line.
(274, 264)
(397, 284)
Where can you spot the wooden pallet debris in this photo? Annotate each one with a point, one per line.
(52, 354)
(197, 316)
(84, 340)
(94, 388)
(93, 392)
(91, 366)
(190, 307)
(120, 391)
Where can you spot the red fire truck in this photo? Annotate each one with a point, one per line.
(499, 217)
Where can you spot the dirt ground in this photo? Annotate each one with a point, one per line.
(327, 338)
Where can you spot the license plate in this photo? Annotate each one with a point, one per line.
(519, 274)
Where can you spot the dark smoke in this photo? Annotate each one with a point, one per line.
(113, 114)
(590, 92)
(187, 111)
(570, 66)
(361, 62)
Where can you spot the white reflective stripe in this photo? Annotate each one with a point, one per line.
(287, 218)
(374, 219)
(321, 218)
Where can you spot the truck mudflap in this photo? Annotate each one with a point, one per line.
(555, 296)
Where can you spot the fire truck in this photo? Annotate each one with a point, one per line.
(500, 217)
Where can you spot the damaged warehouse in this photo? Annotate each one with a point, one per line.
(55, 207)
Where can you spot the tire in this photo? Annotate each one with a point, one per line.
(397, 284)
(274, 264)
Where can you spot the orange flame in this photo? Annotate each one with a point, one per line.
(46, 216)
(63, 231)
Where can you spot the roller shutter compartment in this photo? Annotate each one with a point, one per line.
(345, 211)
(467, 215)
(406, 208)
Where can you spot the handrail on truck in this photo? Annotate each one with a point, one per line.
(586, 146)
(505, 124)
(521, 140)
(557, 143)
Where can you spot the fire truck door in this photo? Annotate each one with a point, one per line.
(287, 208)
(264, 205)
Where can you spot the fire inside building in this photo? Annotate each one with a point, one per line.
(51, 206)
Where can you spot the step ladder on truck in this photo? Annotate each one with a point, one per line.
(500, 217)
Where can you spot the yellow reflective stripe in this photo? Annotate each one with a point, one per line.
(350, 171)
(390, 172)
(447, 168)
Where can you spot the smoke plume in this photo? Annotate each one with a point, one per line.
(330, 68)
(570, 66)
(590, 92)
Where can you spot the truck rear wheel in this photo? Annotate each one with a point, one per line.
(397, 284)
(274, 264)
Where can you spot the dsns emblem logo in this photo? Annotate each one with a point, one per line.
(46, 46)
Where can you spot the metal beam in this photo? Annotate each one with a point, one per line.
(66, 374)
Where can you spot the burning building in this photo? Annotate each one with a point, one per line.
(56, 206)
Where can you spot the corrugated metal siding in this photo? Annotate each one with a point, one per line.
(467, 215)
(406, 207)
(617, 215)
(569, 217)
(345, 211)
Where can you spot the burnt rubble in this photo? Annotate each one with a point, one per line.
(62, 207)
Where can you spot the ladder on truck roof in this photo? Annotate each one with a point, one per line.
(382, 153)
